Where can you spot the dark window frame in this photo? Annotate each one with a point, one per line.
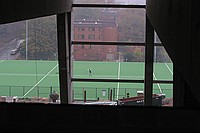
(148, 96)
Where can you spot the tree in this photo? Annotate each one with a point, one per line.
(131, 25)
(161, 55)
(42, 39)
(132, 53)
(86, 13)
(89, 13)
(128, 57)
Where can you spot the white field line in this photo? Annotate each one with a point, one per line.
(2, 61)
(133, 77)
(18, 74)
(157, 83)
(110, 76)
(118, 74)
(40, 80)
(168, 68)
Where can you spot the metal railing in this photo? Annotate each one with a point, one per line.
(20, 91)
(96, 94)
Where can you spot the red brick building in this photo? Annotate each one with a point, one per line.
(95, 31)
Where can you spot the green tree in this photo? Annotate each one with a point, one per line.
(131, 25)
(132, 54)
(128, 57)
(42, 39)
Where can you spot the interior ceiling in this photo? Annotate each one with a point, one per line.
(17, 10)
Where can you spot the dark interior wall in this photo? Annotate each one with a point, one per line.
(24, 117)
(16, 10)
(57, 118)
(195, 48)
(176, 23)
(172, 21)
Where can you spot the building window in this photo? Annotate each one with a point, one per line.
(124, 60)
(100, 37)
(91, 28)
(75, 37)
(29, 43)
(100, 29)
(81, 29)
(81, 36)
(91, 37)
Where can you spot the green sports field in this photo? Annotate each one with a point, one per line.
(119, 70)
(30, 78)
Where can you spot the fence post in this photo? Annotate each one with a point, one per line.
(127, 95)
(125, 92)
(73, 95)
(110, 94)
(84, 94)
(51, 90)
(38, 91)
(113, 93)
(97, 94)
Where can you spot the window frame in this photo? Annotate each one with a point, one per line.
(148, 81)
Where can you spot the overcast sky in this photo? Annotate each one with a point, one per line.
(135, 2)
(138, 2)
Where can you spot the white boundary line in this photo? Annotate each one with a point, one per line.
(118, 74)
(168, 68)
(17, 74)
(109, 76)
(76, 75)
(2, 61)
(157, 83)
(40, 80)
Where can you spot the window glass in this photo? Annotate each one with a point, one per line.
(108, 61)
(113, 24)
(166, 91)
(156, 38)
(28, 59)
(124, 2)
(124, 62)
(98, 91)
(163, 70)
(163, 66)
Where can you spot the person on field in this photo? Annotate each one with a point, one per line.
(90, 72)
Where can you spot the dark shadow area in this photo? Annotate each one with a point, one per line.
(85, 118)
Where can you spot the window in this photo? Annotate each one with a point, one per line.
(121, 2)
(81, 37)
(91, 37)
(108, 40)
(91, 28)
(81, 29)
(100, 29)
(29, 61)
(100, 37)
(162, 71)
(120, 45)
